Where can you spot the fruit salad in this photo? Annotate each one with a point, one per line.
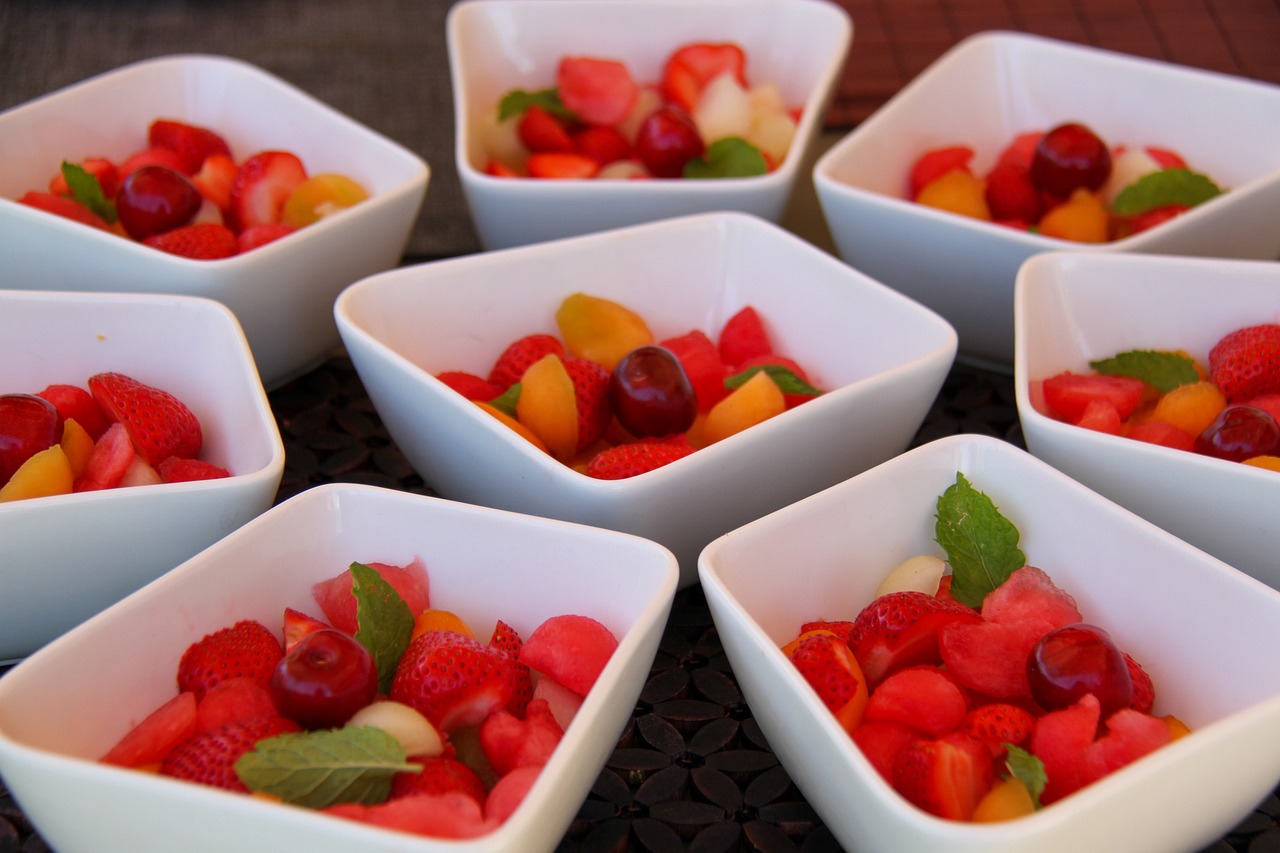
(115, 432)
(974, 685)
(388, 710)
(702, 118)
(1229, 409)
(1065, 182)
(184, 193)
(608, 398)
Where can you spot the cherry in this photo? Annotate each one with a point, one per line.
(155, 199)
(28, 424)
(666, 140)
(1078, 659)
(1068, 157)
(651, 394)
(324, 679)
(1240, 432)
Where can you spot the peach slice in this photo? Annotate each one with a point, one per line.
(548, 405)
(756, 400)
(600, 329)
(45, 473)
(520, 429)
(77, 444)
(319, 196)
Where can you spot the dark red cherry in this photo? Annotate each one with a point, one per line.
(28, 424)
(666, 140)
(1240, 432)
(1068, 157)
(651, 394)
(155, 199)
(324, 679)
(1078, 659)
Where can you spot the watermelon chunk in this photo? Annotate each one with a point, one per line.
(1069, 394)
(571, 649)
(338, 603)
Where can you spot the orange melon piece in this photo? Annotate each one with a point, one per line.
(440, 620)
(548, 405)
(318, 196)
(600, 329)
(1082, 218)
(44, 474)
(957, 191)
(1190, 408)
(1007, 799)
(77, 444)
(523, 431)
(756, 400)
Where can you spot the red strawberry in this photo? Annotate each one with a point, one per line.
(1246, 362)
(210, 757)
(591, 390)
(506, 638)
(1157, 215)
(193, 144)
(517, 357)
(602, 144)
(440, 774)
(159, 424)
(1020, 151)
(256, 236)
(744, 337)
(215, 178)
(945, 777)
(261, 186)
(635, 457)
(539, 130)
(1165, 158)
(998, 723)
(509, 742)
(881, 742)
(64, 207)
(247, 649)
(690, 68)
(101, 168)
(934, 164)
(840, 628)
(1010, 194)
(233, 700)
(153, 157)
(178, 470)
(1144, 689)
(469, 385)
(77, 404)
(831, 670)
(298, 625)
(112, 455)
(562, 165)
(598, 91)
(900, 629)
(204, 241)
(159, 732)
(453, 680)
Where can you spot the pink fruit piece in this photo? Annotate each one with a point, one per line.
(701, 360)
(338, 603)
(509, 792)
(744, 337)
(507, 639)
(880, 742)
(1059, 739)
(1068, 394)
(64, 207)
(76, 403)
(901, 629)
(920, 697)
(598, 91)
(451, 815)
(469, 385)
(178, 470)
(562, 701)
(1029, 593)
(150, 741)
(111, 457)
(570, 648)
(509, 742)
(191, 142)
(945, 777)
(257, 236)
(232, 700)
(440, 774)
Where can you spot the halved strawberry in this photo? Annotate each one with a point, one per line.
(256, 236)
(539, 130)
(261, 186)
(900, 629)
(561, 165)
(297, 625)
(833, 672)
(159, 424)
(521, 353)
(634, 458)
(1246, 362)
(247, 649)
(469, 385)
(1100, 416)
(603, 144)
(440, 774)
(591, 392)
(839, 627)
(190, 142)
(214, 179)
(64, 207)
(945, 777)
(690, 68)
(1020, 151)
(1144, 689)
(598, 91)
(100, 167)
(1011, 196)
(1068, 394)
(881, 742)
(178, 470)
(204, 241)
(210, 757)
(508, 639)
(453, 680)
(1164, 434)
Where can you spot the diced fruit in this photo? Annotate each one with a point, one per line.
(233, 700)
(324, 679)
(539, 130)
(178, 470)
(922, 573)
(509, 792)
(571, 648)
(215, 178)
(74, 403)
(900, 630)
(562, 165)
(78, 445)
(256, 236)
(548, 406)
(192, 143)
(519, 355)
(1190, 408)
(511, 742)
(319, 196)
(44, 474)
(958, 191)
(338, 602)
(1067, 394)
(262, 185)
(1011, 196)
(922, 698)
(934, 164)
(414, 732)
(946, 777)
(1082, 218)
(246, 649)
(833, 672)
(598, 91)
(753, 402)
(440, 774)
(111, 457)
(433, 619)
(452, 680)
(690, 68)
(1007, 799)
(159, 424)
(64, 207)
(150, 741)
(743, 338)
(881, 742)
(700, 358)
(599, 329)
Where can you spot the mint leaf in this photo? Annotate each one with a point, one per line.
(784, 378)
(730, 157)
(506, 401)
(1027, 769)
(86, 190)
(981, 544)
(1163, 370)
(517, 101)
(1163, 188)
(384, 622)
(320, 768)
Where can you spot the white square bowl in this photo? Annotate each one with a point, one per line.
(281, 293)
(499, 45)
(1205, 632)
(67, 705)
(993, 86)
(1073, 308)
(66, 557)
(881, 356)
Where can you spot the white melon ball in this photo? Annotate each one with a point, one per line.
(1131, 165)
(648, 99)
(411, 730)
(622, 170)
(500, 141)
(723, 109)
(922, 573)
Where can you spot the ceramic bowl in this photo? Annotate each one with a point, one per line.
(881, 357)
(64, 558)
(1071, 309)
(282, 293)
(993, 86)
(1203, 631)
(482, 563)
(496, 46)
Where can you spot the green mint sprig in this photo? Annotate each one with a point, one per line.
(784, 378)
(517, 102)
(1027, 769)
(981, 544)
(86, 190)
(1163, 370)
(1163, 188)
(383, 619)
(731, 157)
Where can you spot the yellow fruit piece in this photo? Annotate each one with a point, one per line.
(959, 192)
(440, 620)
(1007, 799)
(1191, 408)
(1082, 218)
(1271, 463)
(756, 400)
(319, 196)
(77, 444)
(600, 329)
(1177, 728)
(520, 429)
(44, 474)
(548, 405)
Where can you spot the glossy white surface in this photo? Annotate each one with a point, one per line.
(499, 45)
(282, 293)
(1071, 309)
(482, 563)
(882, 357)
(1205, 632)
(993, 86)
(64, 558)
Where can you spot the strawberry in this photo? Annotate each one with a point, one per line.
(539, 130)
(440, 774)
(297, 625)
(1144, 689)
(934, 164)
(210, 757)
(76, 404)
(517, 357)
(509, 742)
(260, 235)
(561, 165)
(469, 385)
(112, 455)
(506, 638)
(831, 670)
(232, 700)
(246, 649)
(64, 207)
(591, 391)
(214, 179)
(690, 68)
(1010, 194)
(998, 723)
(453, 680)
(104, 170)
(1165, 158)
(261, 186)
(598, 91)
(1246, 362)
(177, 470)
(900, 629)
(193, 144)
(840, 628)
(602, 144)
(945, 777)
(495, 169)
(635, 457)
(881, 742)
(159, 424)
(204, 241)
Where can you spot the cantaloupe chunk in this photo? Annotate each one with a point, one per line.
(77, 443)
(522, 430)
(756, 400)
(44, 474)
(600, 329)
(548, 405)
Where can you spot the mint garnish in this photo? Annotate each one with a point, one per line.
(1027, 769)
(785, 379)
(517, 101)
(318, 769)
(981, 544)
(506, 401)
(1163, 188)
(730, 157)
(86, 190)
(1162, 370)
(384, 621)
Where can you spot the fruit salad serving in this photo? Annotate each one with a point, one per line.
(1065, 182)
(388, 710)
(1229, 409)
(609, 399)
(974, 685)
(114, 432)
(183, 193)
(702, 118)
